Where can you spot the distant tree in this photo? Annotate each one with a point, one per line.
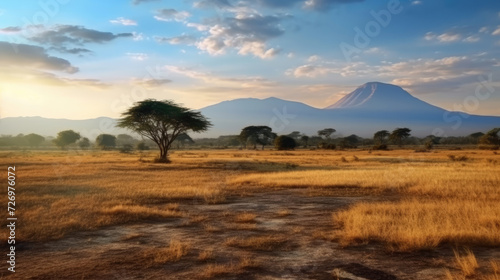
(141, 146)
(284, 142)
(476, 135)
(257, 135)
(124, 139)
(34, 140)
(295, 135)
(183, 139)
(349, 142)
(65, 138)
(84, 143)
(162, 122)
(399, 134)
(305, 140)
(491, 137)
(381, 137)
(326, 133)
(106, 141)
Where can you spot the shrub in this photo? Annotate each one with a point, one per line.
(458, 158)
(126, 149)
(284, 142)
(327, 146)
(141, 146)
(380, 147)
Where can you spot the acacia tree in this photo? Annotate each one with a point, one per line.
(261, 135)
(162, 122)
(399, 134)
(326, 133)
(65, 138)
(381, 136)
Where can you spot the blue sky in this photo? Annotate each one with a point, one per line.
(74, 59)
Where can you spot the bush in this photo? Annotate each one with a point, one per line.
(126, 149)
(488, 147)
(327, 146)
(141, 146)
(284, 142)
(457, 158)
(382, 147)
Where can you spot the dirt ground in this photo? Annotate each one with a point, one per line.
(298, 216)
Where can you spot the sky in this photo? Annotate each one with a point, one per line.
(78, 59)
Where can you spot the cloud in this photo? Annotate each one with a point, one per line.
(242, 82)
(138, 56)
(10, 30)
(59, 36)
(323, 5)
(182, 39)
(171, 15)
(151, 83)
(73, 50)
(247, 33)
(315, 5)
(309, 71)
(483, 29)
(313, 58)
(198, 26)
(137, 36)
(447, 37)
(137, 2)
(416, 2)
(22, 56)
(123, 21)
(496, 32)
(472, 39)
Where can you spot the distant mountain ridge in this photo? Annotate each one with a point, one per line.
(371, 107)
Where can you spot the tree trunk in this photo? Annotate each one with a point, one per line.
(163, 155)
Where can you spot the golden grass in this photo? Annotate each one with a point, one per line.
(466, 262)
(218, 270)
(442, 201)
(270, 242)
(245, 218)
(173, 253)
(206, 255)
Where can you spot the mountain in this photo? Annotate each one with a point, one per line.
(371, 107)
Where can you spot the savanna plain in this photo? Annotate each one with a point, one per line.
(244, 214)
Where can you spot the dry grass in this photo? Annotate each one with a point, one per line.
(173, 253)
(284, 213)
(260, 243)
(218, 270)
(245, 218)
(443, 201)
(466, 262)
(206, 255)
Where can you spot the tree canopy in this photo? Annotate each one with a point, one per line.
(491, 137)
(326, 133)
(65, 138)
(34, 139)
(399, 134)
(162, 122)
(380, 137)
(105, 141)
(257, 135)
(284, 142)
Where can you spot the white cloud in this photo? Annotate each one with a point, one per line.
(416, 2)
(214, 80)
(246, 33)
(138, 56)
(313, 58)
(137, 36)
(182, 39)
(198, 26)
(447, 37)
(123, 21)
(497, 31)
(171, 15)
(472, 39)
(483, 29)
(373, 51)
(290, 55)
